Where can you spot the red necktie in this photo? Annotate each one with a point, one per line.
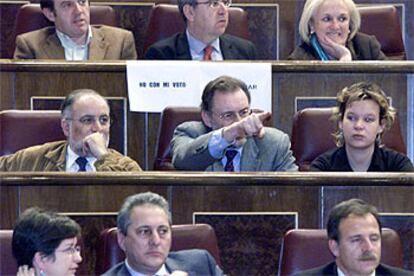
(207, 52)
(230, 154)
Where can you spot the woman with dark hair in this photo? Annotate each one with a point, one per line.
(46, 244)
(362, 115)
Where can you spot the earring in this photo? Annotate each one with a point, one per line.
(42, 273)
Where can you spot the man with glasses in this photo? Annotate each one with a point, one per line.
(85, 122)
(144, 234)
(204, 37)
(72, 37)
(230, 137)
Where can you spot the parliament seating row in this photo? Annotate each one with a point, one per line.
(311, 132)
(165, 20)
(301, 248)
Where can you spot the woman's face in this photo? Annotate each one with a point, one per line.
(67, 258)
(361, 124)
(331, 20)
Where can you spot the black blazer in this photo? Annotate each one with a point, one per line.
(176, 48)
(362, 47)
(331, 270)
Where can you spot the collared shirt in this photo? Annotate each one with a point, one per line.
(217, 147)
(72, 166)
(340, 273)
(197, 48)
(75, 51)
(162, 271)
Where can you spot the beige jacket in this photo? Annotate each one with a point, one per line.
(51, 157)
(108, 43)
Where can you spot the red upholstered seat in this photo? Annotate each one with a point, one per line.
(165, 20)
(30, 18)
(311, 135)
(20, 129)
(8, 265)
(308, 248)
(190, 236)
(383, 22)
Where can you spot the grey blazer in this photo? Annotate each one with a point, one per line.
(270, 153)
(194, 261)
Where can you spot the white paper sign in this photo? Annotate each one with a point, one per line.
(153, 85)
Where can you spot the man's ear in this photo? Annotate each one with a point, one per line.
(205, 116)
(64, 124)
(39, 261)
(49, 14)
(121, 239)
(333, 247)
(188, 12)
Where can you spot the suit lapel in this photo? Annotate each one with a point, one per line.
(249, 160)
(52, 47)
(226, 48)
(183, 49)
(98, 46)
(172, 265)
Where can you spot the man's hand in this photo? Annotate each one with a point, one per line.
(238, 132)
(336, 50)
(95, 145)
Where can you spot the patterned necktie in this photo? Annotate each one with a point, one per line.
(230, 154)
(81, 161)
(207, 52)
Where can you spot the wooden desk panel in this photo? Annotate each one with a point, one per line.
(21, 80)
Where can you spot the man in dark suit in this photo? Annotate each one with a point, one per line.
(230, 137)
(204, 38)
(354, 232)
(73, 38)
(144, 234)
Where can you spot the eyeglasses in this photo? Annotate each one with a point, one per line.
(214, 3)
(232, 115)
(88, 120)
(71, 250)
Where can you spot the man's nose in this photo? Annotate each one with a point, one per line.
(77, 257)
(97, 126)
(155, 238)
(367, 245)
(78, 7)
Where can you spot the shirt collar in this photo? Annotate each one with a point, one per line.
(71, 165)
(341, 273)
(162, 271)
(197, 46)
(68, 42)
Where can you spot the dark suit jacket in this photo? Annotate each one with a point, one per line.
(331, 270)
(108, 43)
(362, 47)
(195, 262)
(270, 153)
(176, 47)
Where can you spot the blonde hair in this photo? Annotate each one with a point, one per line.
(362, 91)
(311, 7)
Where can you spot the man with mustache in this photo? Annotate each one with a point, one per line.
(144, 234)
(85, 122)
(354, 232)
(204, 38)
(73, 38)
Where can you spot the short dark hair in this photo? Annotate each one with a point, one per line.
(182, 3)
(124, 214)
(341, 211)
(222, 84)
(47, 4)
(73, 96)
(40, 231)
